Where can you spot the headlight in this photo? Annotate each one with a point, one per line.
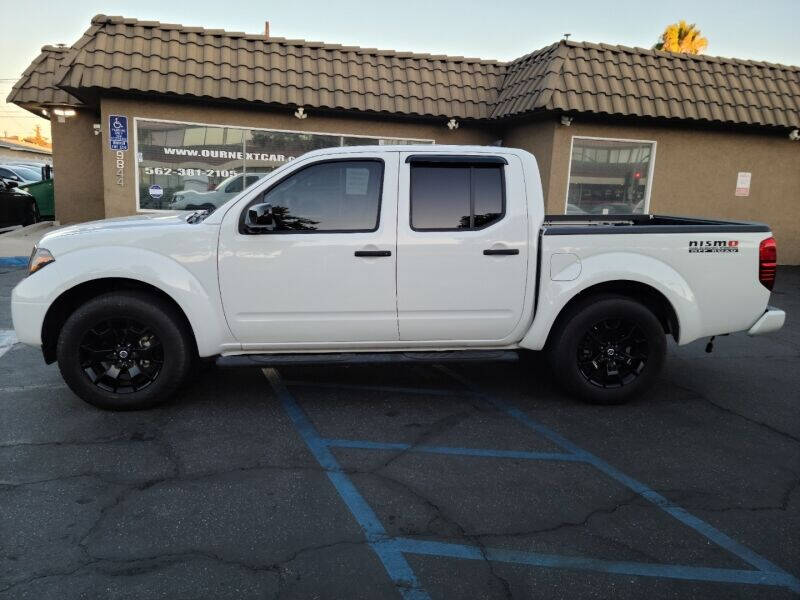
(40, 258)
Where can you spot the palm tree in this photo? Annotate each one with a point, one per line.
(682, 37)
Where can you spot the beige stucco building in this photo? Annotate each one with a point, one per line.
(614, 129)
(14, 151)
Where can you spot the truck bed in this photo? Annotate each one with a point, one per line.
(621, 224)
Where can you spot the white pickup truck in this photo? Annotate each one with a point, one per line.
(382, 254)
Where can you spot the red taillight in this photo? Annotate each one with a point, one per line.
(767, 262)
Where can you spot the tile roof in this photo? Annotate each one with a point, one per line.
(617, 80)
(147, 56)
(37, 84)
(127, 55)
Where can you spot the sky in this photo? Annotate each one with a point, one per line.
(763, 30)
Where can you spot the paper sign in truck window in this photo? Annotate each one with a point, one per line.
(357, 182)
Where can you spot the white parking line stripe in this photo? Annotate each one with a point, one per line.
(7, 340)
(32, 386)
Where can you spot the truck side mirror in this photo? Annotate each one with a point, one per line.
(260, 218)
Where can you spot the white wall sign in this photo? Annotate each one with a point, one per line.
(743, 183)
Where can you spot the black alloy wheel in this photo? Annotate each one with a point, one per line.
(121, 355)
(612, 353)
(126, 350)
(607, 349)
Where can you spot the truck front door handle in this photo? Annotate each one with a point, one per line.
(373, 253)
(501, 251)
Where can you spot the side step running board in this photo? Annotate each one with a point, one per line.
(365, 358)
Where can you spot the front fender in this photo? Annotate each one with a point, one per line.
(200, 303)
(609, 267)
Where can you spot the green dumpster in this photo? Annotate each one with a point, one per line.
(42, 191)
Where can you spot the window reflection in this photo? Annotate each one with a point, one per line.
(334, 196)
(608, 176)
(455, 197)
(183, 166)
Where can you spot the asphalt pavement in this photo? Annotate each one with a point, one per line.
(420, 481)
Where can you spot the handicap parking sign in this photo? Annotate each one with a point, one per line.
(118, 132)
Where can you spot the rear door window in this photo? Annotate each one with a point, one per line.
(456, 196)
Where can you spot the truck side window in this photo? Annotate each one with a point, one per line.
(235, 186)
(329, 196)
(456, 196)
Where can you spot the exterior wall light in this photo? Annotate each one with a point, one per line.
(63, 113)
(300, 113)
(452, 124)
(45, 113)
(794, 135)
(566, 121)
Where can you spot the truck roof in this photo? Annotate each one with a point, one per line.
(432, 148)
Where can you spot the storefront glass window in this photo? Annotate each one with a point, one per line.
(184, 166)
(609, 176)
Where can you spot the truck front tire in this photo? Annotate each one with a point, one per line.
(607, 349)
(126, 350)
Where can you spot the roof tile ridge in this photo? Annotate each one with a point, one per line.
(101, 20)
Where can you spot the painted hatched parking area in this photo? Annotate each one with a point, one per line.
(393, 550)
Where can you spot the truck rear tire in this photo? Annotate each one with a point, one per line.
(125, 351)
(607, 349)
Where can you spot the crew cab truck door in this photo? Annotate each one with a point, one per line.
(325, 272)
(462, 251)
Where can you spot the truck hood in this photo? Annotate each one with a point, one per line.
(133, 225)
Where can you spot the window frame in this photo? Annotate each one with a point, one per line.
(242, 230)
(499, 163)
(650, 166)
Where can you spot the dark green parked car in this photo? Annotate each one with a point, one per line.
(43, 192)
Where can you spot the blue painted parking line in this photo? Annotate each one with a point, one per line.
(391, 550)
(709, 531)
(685, 572)
(451, 450)
(393, 561)
(13, 261)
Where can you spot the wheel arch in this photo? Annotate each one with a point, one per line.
(69, 300)
(636, 275)
(650, 297)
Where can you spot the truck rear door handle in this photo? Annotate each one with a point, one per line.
(373, 253)
(501, 251)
